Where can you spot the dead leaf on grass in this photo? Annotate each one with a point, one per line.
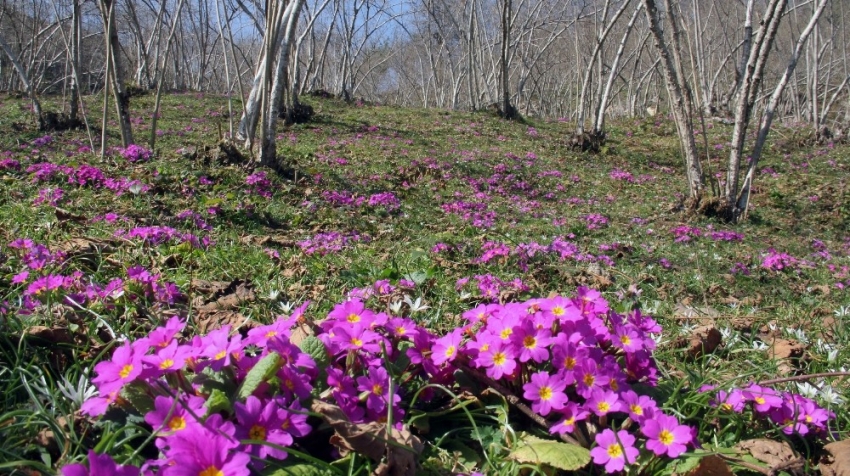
(775, 454)
(206, 320)
(836, 459)
(222, 295)
(396, 453)
(785, 349)
(711, 465)
(703, 340)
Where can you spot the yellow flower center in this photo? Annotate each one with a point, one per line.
(545, 393)
(499, 358)
(506, 333)
(220, 355)
(808, 418)
(614, 385)
(353, 318)
(125, 371)
(450, 351)
(378, 389)
(636, 409)
(356, 342)
(625, 340)
(614, 451)
(529, 342)
(166, 364)
(603, 407)
(211, 471)
(270, 334)
(760, 400)
(558, 311)
(289, 384)
(400, 331)
(258, 433)
(569, 421)
(589, 379)
(665, 437)
(570, 363)
(177, 423)
(484, 347)
(726, 407)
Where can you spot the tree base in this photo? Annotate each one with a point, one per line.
(496, 110)
(58, 121)
(300, 114)
(588, 141)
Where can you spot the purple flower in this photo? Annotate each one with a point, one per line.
(259, 422)
(497, 358)
(569, 416)
(125, 366)
(446, 348)
(764, 399)
(614, 450)
(201, 451)
(532, 343)
(545, 392)
(377, 386)
(170, 416)
(100, 465)
(666, 436)
(603, 402)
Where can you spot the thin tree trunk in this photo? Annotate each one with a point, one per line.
(22, 76)
(743, 197)
(161, 73)
(679, 100)
(599, 123)
(122, 100)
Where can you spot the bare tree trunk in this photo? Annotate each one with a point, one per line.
(747, 95)
(508, 110)
(742, 199)
(160, 72)
(599, 122)
(22, 76)
(597, 50)
(680, 102)
(113, 47)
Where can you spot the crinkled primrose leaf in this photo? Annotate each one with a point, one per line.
(565, 456)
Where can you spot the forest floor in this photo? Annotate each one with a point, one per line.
(391, 227)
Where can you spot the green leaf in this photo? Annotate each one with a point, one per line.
(300, 469)
(262, 371)
(557, 454)
(315, 348)
(218, 402)
(137, 394)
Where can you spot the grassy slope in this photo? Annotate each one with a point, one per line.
(538, 190)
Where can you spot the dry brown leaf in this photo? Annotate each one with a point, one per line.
(207, 320)
(836, 459)
(51, 335)
(711, 465)
(396, 453)
(703, 340)
(785, 349)
(774, 453)
(225, 296)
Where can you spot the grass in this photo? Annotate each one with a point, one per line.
(465, 183)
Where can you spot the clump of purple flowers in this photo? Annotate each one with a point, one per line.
(776, 261)
(330, 242)
(259, 184)
(595, 221)
(135, 153)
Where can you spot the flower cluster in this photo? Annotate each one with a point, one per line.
(259, 184)
(157, 235)
(330, 242)
(135, 153)
(685, 234)
(595, 221)
(523, 253)
(793, 413)
(776, 261)
(171, 379)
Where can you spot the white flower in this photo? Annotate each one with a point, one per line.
(832, 356)
(730, 336)
(273, 295)
(842, 311)
(395, 307)
(759, 345)
(807, 390)
(415, 306)
(286, 307)
(829, 395)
